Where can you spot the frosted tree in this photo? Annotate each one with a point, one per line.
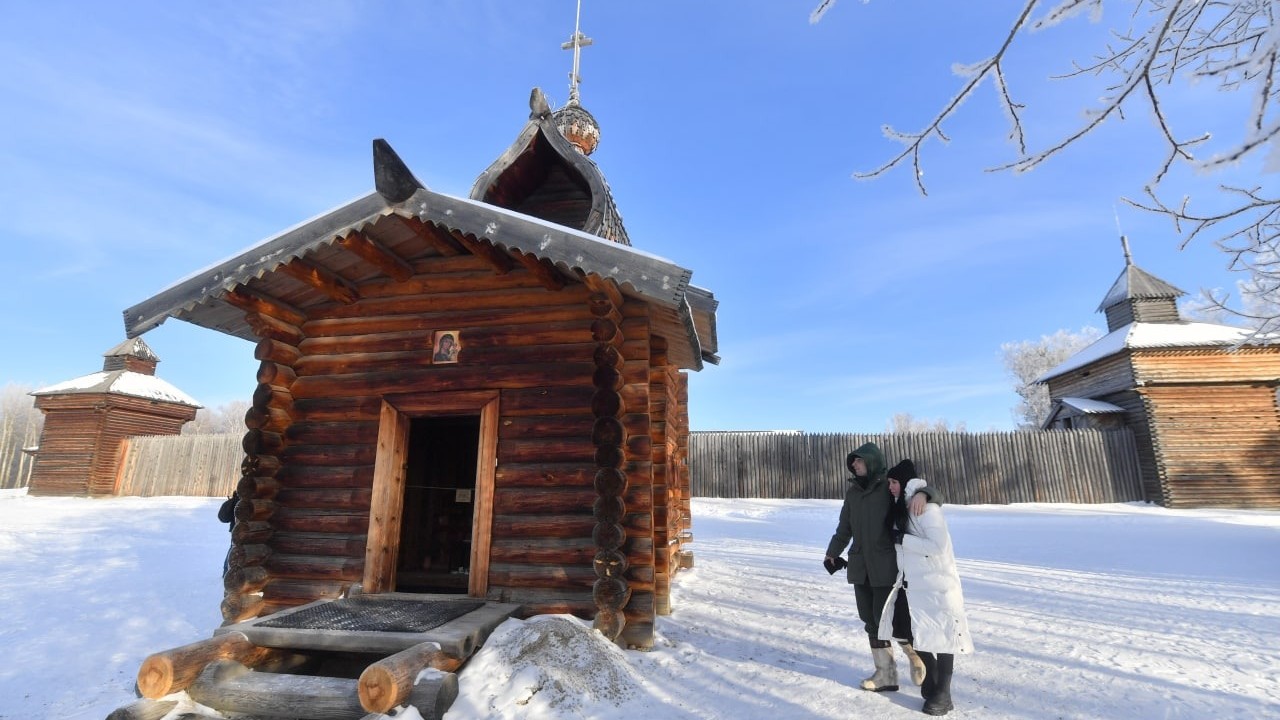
(905, 422)
(228, 418)
(1161, 46)
(20, 425)
(1027, 360)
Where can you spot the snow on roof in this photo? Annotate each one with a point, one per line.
(1090, 407)
(122, 382)
(1151, 335)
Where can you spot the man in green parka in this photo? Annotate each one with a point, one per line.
(873, 563)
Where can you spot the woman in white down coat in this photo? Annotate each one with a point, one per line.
(927, 574)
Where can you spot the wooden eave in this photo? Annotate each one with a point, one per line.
(217, 296)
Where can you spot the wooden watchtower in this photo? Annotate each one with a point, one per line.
(484, 396)
(87, 418)
(1200, 397)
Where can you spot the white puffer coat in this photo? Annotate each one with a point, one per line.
(927, 565)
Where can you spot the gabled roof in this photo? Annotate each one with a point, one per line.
(1087, 406)
(121, 382)
(385, 231)
(1151, 335)
(1080, 406)
(1135, 283)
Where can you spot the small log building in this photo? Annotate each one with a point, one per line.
(484, 396)
(1201, 398)
(88, 418)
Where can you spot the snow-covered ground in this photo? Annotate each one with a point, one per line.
(1078, 611)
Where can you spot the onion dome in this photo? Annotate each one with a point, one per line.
(578, 127)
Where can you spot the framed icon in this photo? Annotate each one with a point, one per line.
(445, 345)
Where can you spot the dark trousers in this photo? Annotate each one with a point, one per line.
(871, 599)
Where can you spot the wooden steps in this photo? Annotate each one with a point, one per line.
(287, 672)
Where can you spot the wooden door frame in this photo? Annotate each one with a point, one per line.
(390, 465)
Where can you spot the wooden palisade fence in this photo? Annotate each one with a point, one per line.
(1082, 466)
(203, 465)
(1077, 466)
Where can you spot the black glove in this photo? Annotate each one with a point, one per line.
(834, 564)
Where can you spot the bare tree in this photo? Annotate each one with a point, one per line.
(1232, 44)
(1027, 360)
(226, 418)
(905, 422)
(20, 426)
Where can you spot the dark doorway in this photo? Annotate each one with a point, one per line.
(439, 502)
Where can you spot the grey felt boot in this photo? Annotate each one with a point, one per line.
(886, 675)
(917, 665)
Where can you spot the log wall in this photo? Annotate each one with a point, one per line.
(80, 446)
(314, 424)
(1214, 424)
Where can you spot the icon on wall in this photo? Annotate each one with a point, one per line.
(445, 346)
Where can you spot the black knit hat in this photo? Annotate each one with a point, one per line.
(903, 471)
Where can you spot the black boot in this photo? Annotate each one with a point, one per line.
(939, 701)
(930, 673)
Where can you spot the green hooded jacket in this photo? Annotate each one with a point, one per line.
(863, 519)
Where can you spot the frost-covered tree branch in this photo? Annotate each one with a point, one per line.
(1233, 44)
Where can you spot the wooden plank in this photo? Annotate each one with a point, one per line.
(387, 502)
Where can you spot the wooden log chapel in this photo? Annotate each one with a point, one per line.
(481, 396)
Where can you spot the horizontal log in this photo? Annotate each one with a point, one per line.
(270, 418)
(254, 510)
(515, 335)
(276, 375)
(291, 592)
(541, 576)
(261, 488)
(544, 501)
(401, 319)
(276, 351)
(540, 399)
(173, 670)
(328, 476)
(345, 408)
(350, 432)
(320, 544)
(234, 688)
(261, 465)
(244, 580)
(237, 607)
(556, 526)
(249, 555)
(444, 377)
(357, 498)
(353, 361)
(251, 300)
(143, 709)
(544, 426)
(265, 326)
(345, 455)
(308, 567)
(320, 521)
(390, 681)
(549, 450)
(252, 532)
(262, 442)
(563, 551)
(541, 475)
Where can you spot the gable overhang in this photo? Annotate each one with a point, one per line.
(679, 313)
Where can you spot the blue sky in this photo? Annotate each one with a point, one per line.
(142, 141)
